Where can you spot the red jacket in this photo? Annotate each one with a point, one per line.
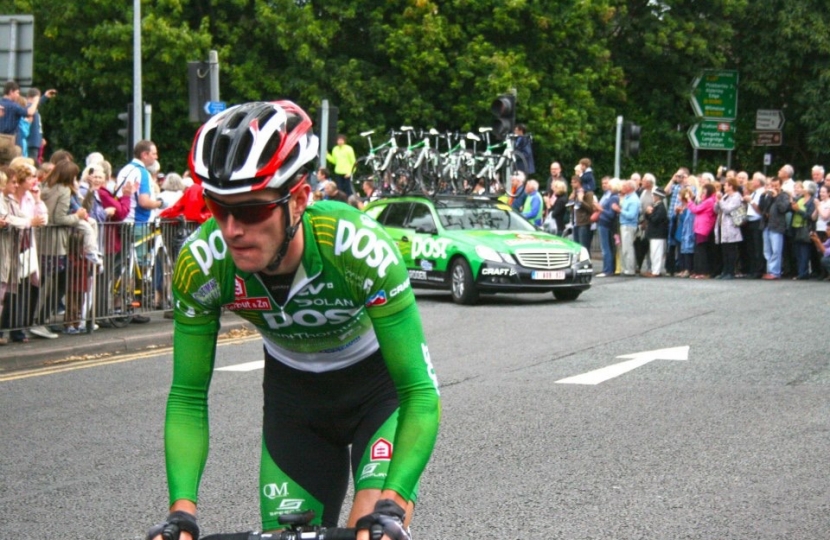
(191, 205)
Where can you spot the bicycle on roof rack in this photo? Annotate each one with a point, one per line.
(376, 165)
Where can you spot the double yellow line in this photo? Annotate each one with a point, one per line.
(72, 365)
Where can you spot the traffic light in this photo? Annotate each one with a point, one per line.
(126, 133)
(504, 109)
(632, 139)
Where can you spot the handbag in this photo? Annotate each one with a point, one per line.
(802, 234)
(738, 215)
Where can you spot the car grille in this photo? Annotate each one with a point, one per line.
(544, 260)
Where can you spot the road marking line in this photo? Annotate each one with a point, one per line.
(637, 359)
(247, 366)
(105, 361)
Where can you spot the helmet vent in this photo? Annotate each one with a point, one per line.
(270, 149)
(240, 156)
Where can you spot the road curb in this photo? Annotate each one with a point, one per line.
(41, 352)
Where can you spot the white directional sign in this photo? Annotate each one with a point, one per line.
(636, 360)
(769, 119)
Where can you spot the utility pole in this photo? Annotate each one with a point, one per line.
(618, 147)
(137, 97)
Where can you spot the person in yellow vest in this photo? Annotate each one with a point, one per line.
(343, 158)
(534, 206)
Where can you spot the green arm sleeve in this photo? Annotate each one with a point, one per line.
(401, 339)
(186, 427)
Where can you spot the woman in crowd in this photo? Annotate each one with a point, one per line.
(685, 233)
(57, 194)
(704, 210)
(822, 218)
(171, 189)
(557, 203)
(801, 226)
(584, 206)
(608, 224)
(727, 234)
(25, 212)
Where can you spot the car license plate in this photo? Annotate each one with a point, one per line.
(538, 274)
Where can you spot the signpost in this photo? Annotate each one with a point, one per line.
(715, 95)
(766, 138)
(769, 119)
(714, 100)
(215, 107)
(708, 135)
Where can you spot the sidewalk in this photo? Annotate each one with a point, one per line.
(157, 333)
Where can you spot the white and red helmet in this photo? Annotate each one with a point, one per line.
(253, 146)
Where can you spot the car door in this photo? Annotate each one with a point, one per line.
(428, 249)
(393, 217)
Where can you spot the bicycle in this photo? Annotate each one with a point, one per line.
(375, 165)
(498, 168)
(298, 529)
(418, 162)
(147, 272)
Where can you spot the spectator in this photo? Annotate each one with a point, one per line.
(370, 192)
(557, 204)
(704, 211)
(822, 218)
(533, 209)
(555, 176)
(678, 181)
(817, 175)
(755, 227)
(332, 193)
(586, 174)
(35, 142)
(172, 189)
(629, 218)
(727, 234)
(583, 206)
(787, 182)
(137, 172)
(343, 158)
(25, 202)
(323, 175)
(24, 125)
(641, 242)
(803, 209)
(517, 191)
(13, 112)
(685, 236)
(607, 226)
(524, 150)
(657, 232)
(824, 249)
(774, 205)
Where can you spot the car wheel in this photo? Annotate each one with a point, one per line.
(566, 295)
(463, 289)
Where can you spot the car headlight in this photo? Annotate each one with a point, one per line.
(584, 255)
(488, 254)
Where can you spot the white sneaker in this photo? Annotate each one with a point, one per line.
(82, 327)
(42, 331)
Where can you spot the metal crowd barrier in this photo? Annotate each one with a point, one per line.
(51, 283)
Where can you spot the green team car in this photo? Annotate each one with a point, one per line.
(471, 245)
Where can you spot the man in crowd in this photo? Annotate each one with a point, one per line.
(641, 243)
(343, 158)
(144, 200)
(533, 209)
(755, 226)
(524, 150)
(13, 111)
(774, 205)
(517, 191)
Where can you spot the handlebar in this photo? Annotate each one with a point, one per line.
(321, 533)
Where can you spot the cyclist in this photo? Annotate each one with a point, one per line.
(346, 362)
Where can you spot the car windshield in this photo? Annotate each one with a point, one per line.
(481, 216)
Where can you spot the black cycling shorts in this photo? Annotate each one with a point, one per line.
(310, 421)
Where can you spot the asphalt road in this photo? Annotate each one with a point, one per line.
(729, 443)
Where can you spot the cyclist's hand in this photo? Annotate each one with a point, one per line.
(179, 525)
(387, 518)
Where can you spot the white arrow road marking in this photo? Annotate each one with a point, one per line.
(637, 359)
(247, 366)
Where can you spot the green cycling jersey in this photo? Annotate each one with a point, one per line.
(350, 297)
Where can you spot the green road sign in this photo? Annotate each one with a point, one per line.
(715, 95)
(708, 135)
